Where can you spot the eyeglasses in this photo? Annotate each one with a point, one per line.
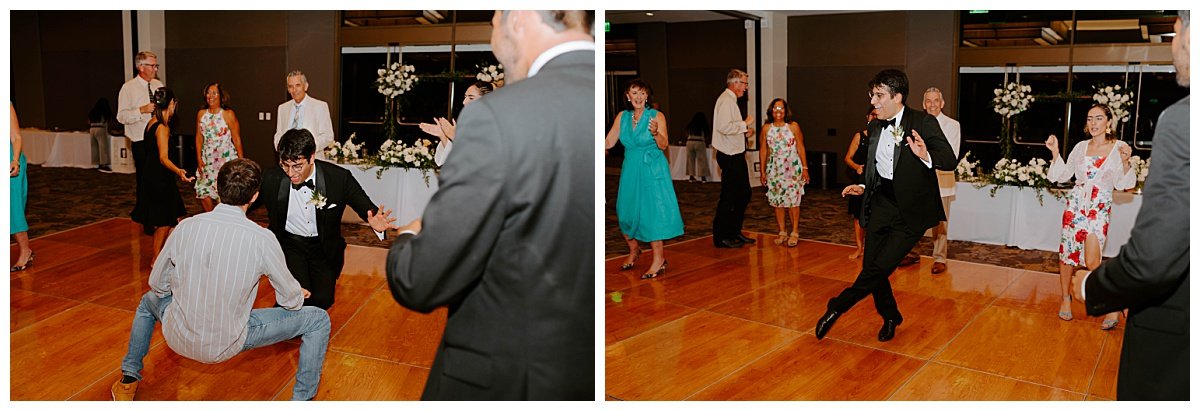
(778, 108)
(150, 65)
(297, 167)
(878, 95)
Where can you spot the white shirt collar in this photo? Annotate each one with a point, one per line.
(311, 177)
(899, 115)
(555, 51)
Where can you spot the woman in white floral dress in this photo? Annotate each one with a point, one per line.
(218, 139)
(784, 169)
(1099, 165)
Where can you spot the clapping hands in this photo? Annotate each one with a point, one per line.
(1126, 152)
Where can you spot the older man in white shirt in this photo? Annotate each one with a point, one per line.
(306, 112)
(133, 102)
(933, 104)
(730, 131)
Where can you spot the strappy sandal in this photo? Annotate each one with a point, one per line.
(1066, 315)
(630, 264)
(782, 235)
(662, 269)
(793, 239)
(25, 266)
(1109, 324)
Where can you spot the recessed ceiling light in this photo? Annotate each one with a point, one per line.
(649, 14)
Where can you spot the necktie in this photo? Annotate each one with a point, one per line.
(306, 183)
(296, 119)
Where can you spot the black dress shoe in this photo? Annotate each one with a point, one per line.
(746, 240)
(727, 243)
(888, 331)
(826, 322)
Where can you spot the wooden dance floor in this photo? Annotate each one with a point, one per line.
(737, 324)
(72, 311)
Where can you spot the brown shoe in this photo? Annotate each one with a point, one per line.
(938, 268)
(124, 392)
(910, 259)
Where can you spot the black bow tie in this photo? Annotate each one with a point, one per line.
(886, 123)
(306, 183)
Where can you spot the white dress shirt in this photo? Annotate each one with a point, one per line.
(729, 128)
(953, 132)
(555, 51)
(135, 94)
(302, 216)
(211, 265)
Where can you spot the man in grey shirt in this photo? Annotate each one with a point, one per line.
(203, 286)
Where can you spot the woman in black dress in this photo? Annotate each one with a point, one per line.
(856, 158)
(159, 205)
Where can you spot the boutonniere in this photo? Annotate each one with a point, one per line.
(898, 134)
(317, 200)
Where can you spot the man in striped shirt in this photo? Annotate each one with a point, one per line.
(203, 286)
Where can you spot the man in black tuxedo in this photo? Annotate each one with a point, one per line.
(305, 199)
(1150, 275)
(901, 196)
(507, 241)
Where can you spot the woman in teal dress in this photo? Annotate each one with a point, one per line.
(647, 209)
(18, 187)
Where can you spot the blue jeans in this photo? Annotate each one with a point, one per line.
(266, 326)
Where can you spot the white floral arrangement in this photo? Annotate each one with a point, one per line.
(344, 153)
(1117, 99)
(966, 168)
(1013, 173)
(1141, 169)
(397, 154)
(1011, 99)
(492, 74)
(395, 79)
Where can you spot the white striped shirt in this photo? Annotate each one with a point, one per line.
(211, 265)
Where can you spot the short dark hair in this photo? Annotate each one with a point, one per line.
(296, 144)
(639, 83)
(222, 100)
(238, 180)
(895, 80)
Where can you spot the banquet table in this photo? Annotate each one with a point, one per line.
(678, 160)
(57, 148)
(1015, 218)
(403, 191)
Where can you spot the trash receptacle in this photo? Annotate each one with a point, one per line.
(120, 155)
(822, 169)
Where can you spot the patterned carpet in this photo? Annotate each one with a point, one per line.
(64, 198)
(823, 217)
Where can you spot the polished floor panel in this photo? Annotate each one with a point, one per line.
(795, 303)
(807, 369)
(940, 382)
(629, 315)
(1037, 348)
(615, 279)
(385, 330)
(70, 316)
(974, 332)
(349, 377)
(675, 360)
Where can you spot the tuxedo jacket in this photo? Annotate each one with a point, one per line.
(340, 189)
(915, 184)
(1150, 274)
(507, 243)
(314, 117)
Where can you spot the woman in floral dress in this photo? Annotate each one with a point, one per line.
(784, 169)
(1099, 165)
(218, 139)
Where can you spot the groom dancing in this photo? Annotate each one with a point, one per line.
(901, 196)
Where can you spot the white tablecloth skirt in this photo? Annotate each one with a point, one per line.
(677, 157)
(1013, 217)
(402, 191)
(57, 148)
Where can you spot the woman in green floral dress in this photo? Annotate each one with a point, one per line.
(218, 139)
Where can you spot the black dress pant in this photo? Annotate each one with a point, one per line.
(735, 196)
(888, 240)
(306, 260)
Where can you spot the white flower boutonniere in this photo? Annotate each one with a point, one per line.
(898, 134)
(317, 200)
